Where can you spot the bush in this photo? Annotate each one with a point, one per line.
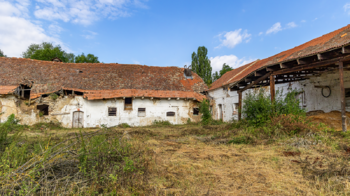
(205, 111)
(161, 122)
(124, 125)
(10, 125)
(258, 108)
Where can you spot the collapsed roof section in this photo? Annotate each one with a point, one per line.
(330, 46)
(98, 80)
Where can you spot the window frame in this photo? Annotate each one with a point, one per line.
(141, 111)
(128, 106)
(111, 112)
(173, 114)
(195, 113)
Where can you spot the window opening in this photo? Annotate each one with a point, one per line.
(347, 97)
(196, 111)
(235, 109)
(141, 112)
(128, 104)
(112, 111)
(43, 109)
(170, 114)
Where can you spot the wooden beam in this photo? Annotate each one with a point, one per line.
(301, 62)
(256, 81)
(312, 65)
(256, 74)
(271, 69)
(239, 105)
(345, 50)
(321, 57)
(272, 87)
(342, 96)
(248, 80)
(284, 66)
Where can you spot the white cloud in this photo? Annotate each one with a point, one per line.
(17, 32)
(275, 28)
(232, 38)
(303, 21)
(347, 8)
(261, 33)
(84, 11)
(231, 60)
(90, 35)
(291, 25)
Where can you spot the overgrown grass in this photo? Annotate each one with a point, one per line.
(83, 164)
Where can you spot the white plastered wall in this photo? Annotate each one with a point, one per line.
(313, 99)
(96, 111)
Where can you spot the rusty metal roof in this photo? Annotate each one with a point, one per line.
(335, 39)
(99, 80)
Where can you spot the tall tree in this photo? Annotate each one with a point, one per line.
(225, 68)
(90, 58)
(47, 51)
(201, 64)
(2, 54)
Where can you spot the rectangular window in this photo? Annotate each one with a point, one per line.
(142, 112)
(128, 104)
(170, 114)
(112, 111)
(196, 111)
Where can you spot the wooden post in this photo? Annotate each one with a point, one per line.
(272, 87)
(342, 96)
(239, 105)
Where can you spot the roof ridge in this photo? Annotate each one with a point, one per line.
(251, 64)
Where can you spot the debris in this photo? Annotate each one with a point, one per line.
(290, 153)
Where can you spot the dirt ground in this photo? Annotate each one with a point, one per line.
(196, 160)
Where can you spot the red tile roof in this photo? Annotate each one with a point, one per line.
(7, 89)
(99, 80)
(324, 43)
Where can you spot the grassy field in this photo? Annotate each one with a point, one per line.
(226, 159)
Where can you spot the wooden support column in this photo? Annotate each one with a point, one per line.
(239, 105)
(272, 87)
(342, 96)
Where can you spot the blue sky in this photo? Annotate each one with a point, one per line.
(166, 32)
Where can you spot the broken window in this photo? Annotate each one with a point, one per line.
(142, 112)
(43, 110)
(170, 114)
(112, 111)
(196, 111)
(128, 104)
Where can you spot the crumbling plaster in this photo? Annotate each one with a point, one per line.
(96, 111)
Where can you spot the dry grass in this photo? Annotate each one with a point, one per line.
(196, 160)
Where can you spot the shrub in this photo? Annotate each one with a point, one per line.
(161, 122)
(6, 127)
(258, 108)
(205, 111)
(124, 125)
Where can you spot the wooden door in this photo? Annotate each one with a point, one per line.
(78, 119)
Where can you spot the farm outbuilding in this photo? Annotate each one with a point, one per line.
(90, 95)
(319, 69)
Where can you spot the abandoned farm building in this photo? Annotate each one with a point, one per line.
(318, 69)
(90, 95)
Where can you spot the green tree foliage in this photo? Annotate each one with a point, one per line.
(225, 68)
(258, 108)
(2, 54)
(201, 64)
(90, 58)
(47, 51)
